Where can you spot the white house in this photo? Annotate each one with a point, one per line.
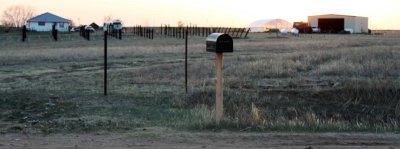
(45, 22)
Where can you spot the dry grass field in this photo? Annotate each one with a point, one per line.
(310, 83)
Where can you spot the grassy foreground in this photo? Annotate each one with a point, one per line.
(306, 83)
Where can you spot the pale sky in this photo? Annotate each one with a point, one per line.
(383, 14)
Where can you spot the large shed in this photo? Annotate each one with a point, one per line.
(334, 23)
(268, 24)
(45, 22)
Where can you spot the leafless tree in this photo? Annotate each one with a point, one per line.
(72, 23)
(181, 24)
(16, 16)
(108, 18)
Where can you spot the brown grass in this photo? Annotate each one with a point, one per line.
(317, 82)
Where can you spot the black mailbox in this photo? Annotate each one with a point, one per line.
(219, 43)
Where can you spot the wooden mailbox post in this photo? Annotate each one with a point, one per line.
(219, 43)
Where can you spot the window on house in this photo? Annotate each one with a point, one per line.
(61, 25)
(41, 23)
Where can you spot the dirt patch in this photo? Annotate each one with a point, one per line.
(164, 138)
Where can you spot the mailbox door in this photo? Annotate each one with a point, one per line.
(225, 43)
(219, 43)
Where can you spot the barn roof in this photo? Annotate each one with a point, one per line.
(335, 15)
(262, 25)
(48, 17)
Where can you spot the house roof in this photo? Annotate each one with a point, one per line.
(48, 17)
(94, 25)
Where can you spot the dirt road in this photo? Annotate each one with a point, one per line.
(161, 138)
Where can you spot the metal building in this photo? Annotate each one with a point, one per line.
(333, 23)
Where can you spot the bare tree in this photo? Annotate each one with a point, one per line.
(108, 18)
(181, 24)
(16, 16)
(72, 23)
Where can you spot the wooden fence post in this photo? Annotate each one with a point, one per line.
(241, 32)
(247, 33)
(179, 33)
(152, 33)
(186, 61)
(23, 33)
(173, 32)
(148, 33)
(161, 29)
(120, 34)
(54, 32)
(88, 35)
